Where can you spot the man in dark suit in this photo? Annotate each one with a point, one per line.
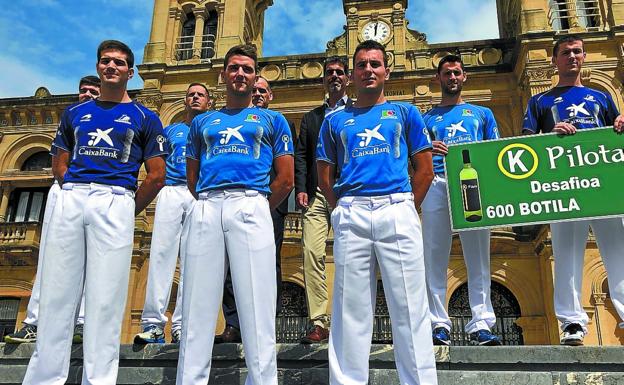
(316, 222)
(261, 97)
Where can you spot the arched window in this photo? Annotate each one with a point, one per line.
(292, 318)
(184, 47)
(605, 287)
(8, 315)
(210, 33)
(16, 118)
(37, 162)
(506, 308)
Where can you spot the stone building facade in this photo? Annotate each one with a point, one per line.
(188, 41)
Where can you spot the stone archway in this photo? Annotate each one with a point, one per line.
(506, 308)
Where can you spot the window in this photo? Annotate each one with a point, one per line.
(565, 14)
(208, 39)
(8, 315)
(16, 119)
(559, 16)
(26, 205)
(184, 47)
(37, 162)
(588, 13)
(47, 117)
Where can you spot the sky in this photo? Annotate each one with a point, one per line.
(52, 43)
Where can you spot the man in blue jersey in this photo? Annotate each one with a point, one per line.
(566, 108)
(174, 202)
(450, 122)
(100, 145)
(230, 153)
(88, 88)
(375, 221)
(261, 98)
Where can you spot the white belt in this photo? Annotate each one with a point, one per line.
(376, 200)
(117, 190)
(229, 193)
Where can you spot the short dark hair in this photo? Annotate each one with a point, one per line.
(566, 39)
(198, 84)
(370, 45)
(119, 46)
(90, 80)
(248, 50)
(450, 59)
(336, 60)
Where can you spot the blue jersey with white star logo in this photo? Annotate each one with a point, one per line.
(236, 147)
(461, 123)
(109, 141)
(582, 107)
(370, 147)
(176, 135)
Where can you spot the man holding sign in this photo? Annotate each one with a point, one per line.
(454, 121)
(565, 109)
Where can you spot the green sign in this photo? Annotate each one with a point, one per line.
(536, 179)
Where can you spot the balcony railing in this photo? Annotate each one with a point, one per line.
(565, 15)
(184, 47)
(19, 234)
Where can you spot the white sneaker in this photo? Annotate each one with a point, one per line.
(573, 335)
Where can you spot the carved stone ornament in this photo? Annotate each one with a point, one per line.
(339, 42)
(539, 74)
(153, 102)
(413, 36)
(271, 72)
(311, 70)
(42, 92)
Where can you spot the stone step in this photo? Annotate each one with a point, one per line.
(301, 364)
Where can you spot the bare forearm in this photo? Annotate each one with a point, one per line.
(421, 180)
(147, 191)
(328, 191)
(280, 188)
(59, 165)
(192, 175)
(326, 179)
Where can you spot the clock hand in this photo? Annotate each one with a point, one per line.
(376, 24)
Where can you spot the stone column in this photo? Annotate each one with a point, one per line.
(200, 20)
(399, 31)
(155, 49)
(4, 201)
(616, 16)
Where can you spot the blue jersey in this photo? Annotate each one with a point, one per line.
(108, 142)
(370, 147)
(176, 134)
(462, 123)
(580, 106)
(236, 147)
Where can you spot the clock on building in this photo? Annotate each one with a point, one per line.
(377, 30)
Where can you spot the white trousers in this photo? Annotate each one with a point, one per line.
(89, 241)
(32, 311)
(569, 240)
(437, 238)
(386, 230)
(174, 202)
(234, 224)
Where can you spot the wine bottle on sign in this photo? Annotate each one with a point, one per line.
(471, 196)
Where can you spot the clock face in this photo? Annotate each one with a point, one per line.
(376, 30)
